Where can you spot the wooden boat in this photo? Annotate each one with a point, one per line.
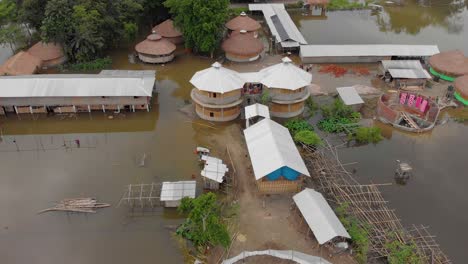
(406, 114)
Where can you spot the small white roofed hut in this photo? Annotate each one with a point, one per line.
(278, 167)
(217, 93)
(213, 172)
(405, 74)
(287, 85)
(319, 216)
(155, 49)
(350, 97)
(173, 192)
(255, 111)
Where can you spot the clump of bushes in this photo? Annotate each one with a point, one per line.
(97, 64)
(344, 5)
(400, 253)
(235, 11)
(336, 116)
(367, 135)
(298, 4)
(308, 137)
(357, 231)
(296, 125)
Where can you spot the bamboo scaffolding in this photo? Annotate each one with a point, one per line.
(78, 205)
(366, 204)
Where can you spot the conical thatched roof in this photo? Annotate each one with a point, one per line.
(155, 45)
(243, 22)
(285, 75)
(167, 29)
(461, 86)
(452, 63)
(46, 51)
(21, 63)
(217, 79)
(242, 43)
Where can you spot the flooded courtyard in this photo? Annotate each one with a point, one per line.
(41, 164)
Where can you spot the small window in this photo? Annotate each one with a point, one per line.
(135, 97)
(211, 114)
(103, 97)
(214, 95)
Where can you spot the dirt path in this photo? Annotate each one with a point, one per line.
(265, 222)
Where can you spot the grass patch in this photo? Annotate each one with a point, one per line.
(295, 125)
(344, 5)
(367, 135)
(95, 65)
(308, 137)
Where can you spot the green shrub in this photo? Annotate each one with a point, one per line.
(400, 253)
(343, 5)
(335, 124)
(357, 231)
(265, 97)
(298, 4)
(368, 135)
(296, 125)
(98, 64)
(233, 12)
(338, 109)
(311, 105)
(308, 137)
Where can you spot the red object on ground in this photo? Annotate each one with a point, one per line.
(361, 71)
(338, 71)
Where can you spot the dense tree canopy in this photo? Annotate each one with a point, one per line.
(203, 225)
(200, 21)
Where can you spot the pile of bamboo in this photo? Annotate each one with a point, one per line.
(78, 205)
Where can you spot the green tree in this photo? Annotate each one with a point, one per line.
(87, 41)
(368, 134)
(57, 25)
(203, 225)
(201, 22)
(32, 12)
(13, 35)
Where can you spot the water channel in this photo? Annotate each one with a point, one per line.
(40, 163)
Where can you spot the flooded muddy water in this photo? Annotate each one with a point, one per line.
(41, 163)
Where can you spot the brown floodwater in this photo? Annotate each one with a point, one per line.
(41, 164)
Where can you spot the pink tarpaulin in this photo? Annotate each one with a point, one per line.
(418, 101)
(422, 108)
(403, 98)
(411, 100)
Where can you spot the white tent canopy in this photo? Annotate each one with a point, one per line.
(217, 79)
(115, 83)
(285, 75)
(257, 110)
(175, 191)
(349, 95)
(214, 169)
(271, 147)
(319, 216)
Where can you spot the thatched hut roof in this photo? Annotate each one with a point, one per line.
(154, 44)
(243, 22)
(461, 86)
(451, 63)
(46, 51)
(243, 43)
(21, 63)
(167, 29)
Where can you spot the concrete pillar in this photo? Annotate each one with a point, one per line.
(74, 108)
(16, 109)
(89, 109)
(118, 108)
(147, 107)
(103, 108)
(30, 109)
(133, 108)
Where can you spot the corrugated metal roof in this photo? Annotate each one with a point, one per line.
(401, 64)
(174, 191)
(319, 216)
(116, 83)
(409, 73)
(214, 169)
(349, 95)
(368, 50)
(256, 110)
(252, 77)
(217, 79)
(271, 147)
(281, 25)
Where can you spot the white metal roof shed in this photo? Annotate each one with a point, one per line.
(349, 95)
(214, 169)
(174, 191)
(257, 110)
(319, 216)
(217, 79)
(126, 83)
(401, 64)
(271, 147)
(285, 75)
(367, 50)
(409, 73)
